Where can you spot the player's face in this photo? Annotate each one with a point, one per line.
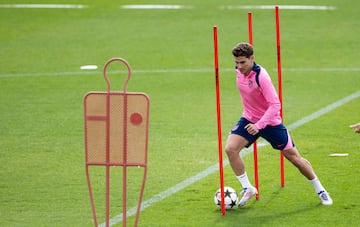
(244, 64)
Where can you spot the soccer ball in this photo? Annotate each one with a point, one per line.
(230, 196)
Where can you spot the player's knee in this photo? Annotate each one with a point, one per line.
(306, 161)
(231, 150)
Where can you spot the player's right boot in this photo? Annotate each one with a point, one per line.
(246, 193)
(325, 198)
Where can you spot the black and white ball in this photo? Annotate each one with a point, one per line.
(230, 196)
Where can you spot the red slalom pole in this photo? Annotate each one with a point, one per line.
(218, 112)
(277, 21)
(256, 172)
(250, 28)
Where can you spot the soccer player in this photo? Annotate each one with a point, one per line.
(356, 127)
(261, 118)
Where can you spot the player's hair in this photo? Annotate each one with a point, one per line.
(243, 49)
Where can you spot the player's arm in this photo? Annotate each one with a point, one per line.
(270, 94)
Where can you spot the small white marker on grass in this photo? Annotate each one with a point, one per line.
(339, 155)
(88, 67)
(151, 6)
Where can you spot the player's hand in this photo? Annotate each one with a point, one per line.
(356, 127)
(252, 129)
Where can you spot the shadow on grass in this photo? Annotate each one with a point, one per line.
(267, 212)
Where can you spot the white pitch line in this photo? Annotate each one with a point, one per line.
(157, 71)
(162, 195)
(324, 110)
(150, 6)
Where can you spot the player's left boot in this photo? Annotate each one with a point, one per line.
(247, 193)
(325, 198)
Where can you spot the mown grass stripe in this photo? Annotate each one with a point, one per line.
(287, 7)
(43, 6)
(157, 71)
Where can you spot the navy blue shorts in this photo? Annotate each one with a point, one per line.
(278, 136)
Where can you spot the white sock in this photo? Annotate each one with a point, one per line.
(244, 180)
(317, 185)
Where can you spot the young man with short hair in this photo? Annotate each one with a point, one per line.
(261, 118)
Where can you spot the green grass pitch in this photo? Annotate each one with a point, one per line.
(42, 164)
